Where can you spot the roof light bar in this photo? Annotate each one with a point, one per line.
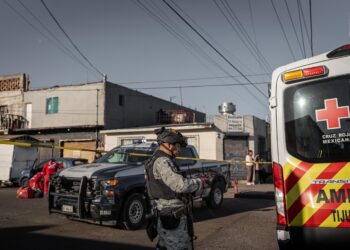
(303, 74)
(341, 51)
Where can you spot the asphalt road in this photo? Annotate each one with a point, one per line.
(242, 223)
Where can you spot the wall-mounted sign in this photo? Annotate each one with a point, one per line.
(235, 123)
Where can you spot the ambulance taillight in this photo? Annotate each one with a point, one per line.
(279, 194)
(304, 74)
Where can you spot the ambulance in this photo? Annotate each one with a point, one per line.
(310, 137)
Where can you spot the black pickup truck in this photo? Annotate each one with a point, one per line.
(113, 189)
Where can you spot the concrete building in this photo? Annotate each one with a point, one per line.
(205, 137)
(227, 138)
(104, 105)
(242, 133)
(12, 110)
(73, 115)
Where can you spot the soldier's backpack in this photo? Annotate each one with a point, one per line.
(25, 193)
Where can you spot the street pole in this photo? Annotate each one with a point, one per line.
(52, 146)
(181, 95)
(97, 93)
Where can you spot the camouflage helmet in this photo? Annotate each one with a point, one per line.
(170, 136)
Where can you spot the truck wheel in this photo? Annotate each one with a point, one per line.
(216, 196)
(134, 211)
(24, 182)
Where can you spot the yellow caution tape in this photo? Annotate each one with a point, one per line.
(25, 144)
(207, 160)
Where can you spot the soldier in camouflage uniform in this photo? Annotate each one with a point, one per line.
(166, 186)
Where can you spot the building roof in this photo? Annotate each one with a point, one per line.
(58, 128)
(68, 85)
(17, 138)
(57, 87)
(184, 126)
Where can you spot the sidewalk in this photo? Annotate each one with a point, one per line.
(258, 191)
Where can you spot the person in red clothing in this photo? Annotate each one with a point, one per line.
(36, 183)
(49, 169)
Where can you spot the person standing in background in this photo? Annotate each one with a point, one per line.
(249, 163)
(258, 174)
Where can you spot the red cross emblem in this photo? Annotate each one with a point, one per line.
(332, 114)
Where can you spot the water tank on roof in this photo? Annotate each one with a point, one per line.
(227, 108)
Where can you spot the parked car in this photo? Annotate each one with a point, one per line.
(113, 189)
(28, 173)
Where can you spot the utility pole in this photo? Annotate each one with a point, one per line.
(181, 95)
(97, 93)
(312, 47)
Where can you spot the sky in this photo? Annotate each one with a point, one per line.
(145, 45)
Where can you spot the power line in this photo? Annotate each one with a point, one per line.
(187, 42)
(246, 35)
(55, 40)
(256, 98)
(284, 33)
(305, 25)
(180, 37)
(158, 87)
(207, 42)
(205, 85)
(203, 31)
(294, 29)
(192, 44)
(70, 40)
(192, 79)
(301, 27)
(214, 41)
(240, 37)
(245, 87)
(40, 32)
(253, 23)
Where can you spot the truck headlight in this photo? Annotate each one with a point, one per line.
(109, 183)
(108, 193)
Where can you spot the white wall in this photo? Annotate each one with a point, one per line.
(6, 158)
(14, 101)
(76, 106)
(206, 141)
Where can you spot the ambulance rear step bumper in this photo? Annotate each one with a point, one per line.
(316, 236)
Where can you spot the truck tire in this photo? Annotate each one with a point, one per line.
(24, 182)
(134, 211)
(216, 196)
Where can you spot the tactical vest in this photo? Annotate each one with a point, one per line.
(156, 188)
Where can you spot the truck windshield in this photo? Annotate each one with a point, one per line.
(317, 120)
(125, 156)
